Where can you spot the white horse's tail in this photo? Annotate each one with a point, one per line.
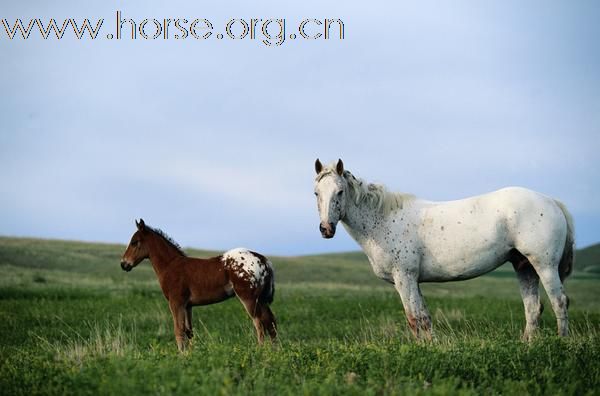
(565, 267)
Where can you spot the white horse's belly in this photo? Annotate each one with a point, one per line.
(457, 266)
(462, 240)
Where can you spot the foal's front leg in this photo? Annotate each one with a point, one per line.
(418, 317)
(179, 314)
(188, 322)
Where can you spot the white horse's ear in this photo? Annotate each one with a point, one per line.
(318, 166)
(339, 168)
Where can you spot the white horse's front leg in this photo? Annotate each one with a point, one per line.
(418, 317)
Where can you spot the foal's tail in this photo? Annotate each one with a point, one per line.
(565, 267)
(268, 292)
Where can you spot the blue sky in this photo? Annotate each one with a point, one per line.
(214, 141)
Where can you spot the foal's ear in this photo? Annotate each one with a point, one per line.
(140, 225)
(339, 168)
(318, 166)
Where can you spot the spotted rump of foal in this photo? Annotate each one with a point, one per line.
(187, 281)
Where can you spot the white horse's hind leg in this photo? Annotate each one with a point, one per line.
(555, 291)
(416, 311)
(529, 286)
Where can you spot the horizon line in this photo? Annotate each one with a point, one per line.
(287, 255)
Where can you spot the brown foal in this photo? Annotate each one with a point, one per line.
(187, 281)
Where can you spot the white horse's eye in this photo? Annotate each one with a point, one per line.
(316, 194)
(339, 194)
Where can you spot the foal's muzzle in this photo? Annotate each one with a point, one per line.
(126, 266)
(327, 230)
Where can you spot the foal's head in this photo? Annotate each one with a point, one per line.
(137, 249)
(330, 190)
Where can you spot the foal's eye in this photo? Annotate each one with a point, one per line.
(316, 194)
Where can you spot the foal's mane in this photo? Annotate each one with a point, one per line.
(371, 195)
(167, 239)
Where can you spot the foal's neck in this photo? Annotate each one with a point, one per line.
(161, 254)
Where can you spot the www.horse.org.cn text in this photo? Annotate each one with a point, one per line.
(270, 32)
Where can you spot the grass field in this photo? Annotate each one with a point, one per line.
(71, 322)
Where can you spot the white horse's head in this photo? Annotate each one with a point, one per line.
(331, 191)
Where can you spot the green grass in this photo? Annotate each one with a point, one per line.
(71, 322)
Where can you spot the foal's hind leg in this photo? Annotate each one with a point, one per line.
(529, 286)
(267, 319)
(255, 311)
(271, 324)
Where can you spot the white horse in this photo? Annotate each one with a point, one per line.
(410, 240)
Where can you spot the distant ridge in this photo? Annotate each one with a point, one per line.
(587, 259)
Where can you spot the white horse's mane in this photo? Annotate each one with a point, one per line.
(371, 195)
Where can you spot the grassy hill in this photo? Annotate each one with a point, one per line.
(588, 259)
(103, 260)
(42, 263)
(72, 322)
